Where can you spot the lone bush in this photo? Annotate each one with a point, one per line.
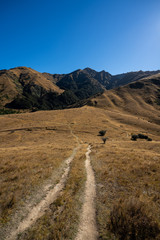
(131, 220)
(102, 132)
(142, 136)
(134, 137)
(104, 140)
(95, 103)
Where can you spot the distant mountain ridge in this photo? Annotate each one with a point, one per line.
(104, 78)
(25, 88)
(140, 98)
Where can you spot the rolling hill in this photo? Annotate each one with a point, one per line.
(140, 98)
(24, 84)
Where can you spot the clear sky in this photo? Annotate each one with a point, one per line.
(64, 35)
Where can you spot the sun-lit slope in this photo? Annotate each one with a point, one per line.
(34, 145)
(21, 80)
(28, 75)
(138, 98)
(126, 171)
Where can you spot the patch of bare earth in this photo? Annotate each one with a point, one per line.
(87, 226)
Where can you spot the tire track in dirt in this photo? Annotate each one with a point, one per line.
(87, 227)
(35, 212)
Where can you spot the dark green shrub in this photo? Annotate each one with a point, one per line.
(95, 103)
(102, 132)
(134, 137)
(104, 140)
(142, 136)
(149, 139)
(7, 111)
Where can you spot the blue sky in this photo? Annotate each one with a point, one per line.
(64, 35)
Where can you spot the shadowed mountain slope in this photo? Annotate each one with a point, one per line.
(25, 88)
(24, 82)
(81, 83)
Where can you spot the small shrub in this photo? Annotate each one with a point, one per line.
(102, 132)
(7, 111)
(149, 139)
(134, 137)
(104, 140)
(95, 103)
(132, 220)
(142, 136)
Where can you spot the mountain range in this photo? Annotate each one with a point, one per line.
(25, 88)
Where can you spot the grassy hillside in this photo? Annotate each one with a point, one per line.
(37, 143)
(141, 98)
(22, 88)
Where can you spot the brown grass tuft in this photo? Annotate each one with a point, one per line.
(131, 219)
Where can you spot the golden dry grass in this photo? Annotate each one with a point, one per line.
(62, 218)
(28, 157)
(33, 145)
(125, 169)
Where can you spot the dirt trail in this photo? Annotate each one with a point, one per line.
(50, 193)
(27, 216)
(87, 227)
